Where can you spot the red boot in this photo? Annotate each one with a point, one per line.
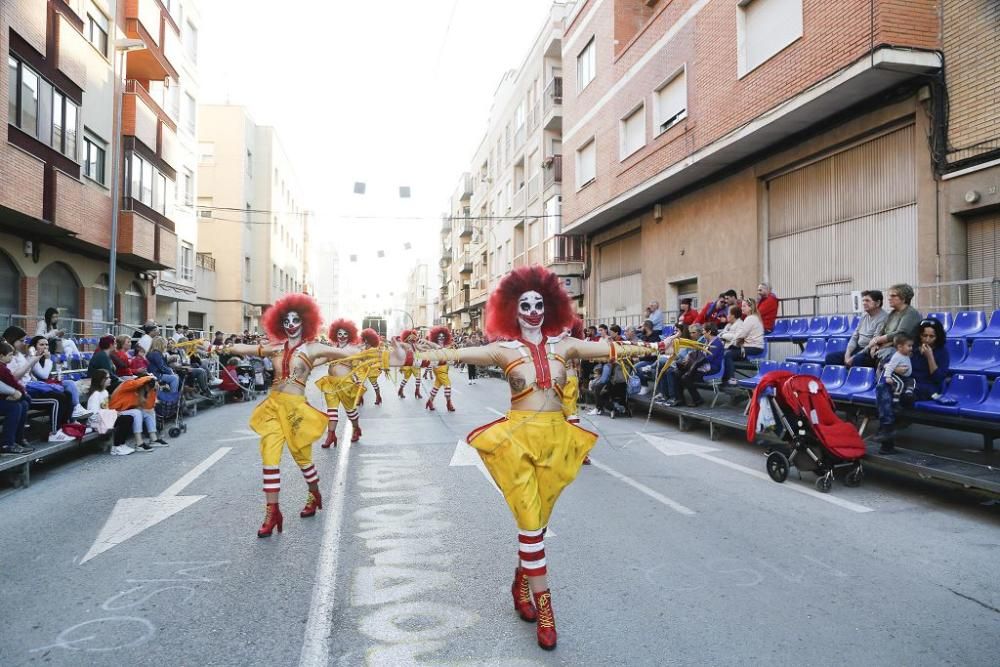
(356, 435)
(331, 439)
(451, 408)
(522, 597)
(429, 405)
(314, 501)
(400, 392)
(378, 397)
(272, 520)
(586, 460)
(417, 394)
(546, 620)
(361, 401)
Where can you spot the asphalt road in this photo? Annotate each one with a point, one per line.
(670, 549)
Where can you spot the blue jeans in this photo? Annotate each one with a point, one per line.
(170, 380)
(884, 405)
(73, 391)
(15, 416)
(733, 355)
(638, 369)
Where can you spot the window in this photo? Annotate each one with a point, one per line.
(69, 147)
(205, 213)
(12, 87)
(190, 113)
(40, 110)
(29, 101)
(148, 185)
(632, 131)
(206, 152)
(159, 192)
(187, 262)
(246, 269)
(57, 120)
(97, 29)
(190, 39)
(670, 103)
(274, 276)
(763, 28)
(94, 158)
(187, 187)
(586, 65)
(586, 164)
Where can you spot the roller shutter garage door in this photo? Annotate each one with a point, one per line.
(984, 260)
(619, 291)
(846, 221)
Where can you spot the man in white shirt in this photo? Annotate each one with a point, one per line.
(180, 333)
(149, 328)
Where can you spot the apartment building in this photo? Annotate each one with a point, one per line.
(715, 143)
(323, 272)
(419, 302)
(61, 83)
(506, 212)
(252, 219)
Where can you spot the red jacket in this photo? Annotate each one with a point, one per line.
(768, 311)
(688, 317)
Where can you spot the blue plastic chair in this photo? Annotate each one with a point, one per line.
(984, 353)
(836, 345)
(967, 323)
(944, 318)
(811, 369)
(833, 377)
(838, 326)
(988, 409)
(765, 367)
(789, 366)
(668, 330)
(968, 390)
(780, 331)
(992, 329)
(957, 351)
(814, 352)
(798, 329)
(817, 326)
(866, 397)
(759, 357)
(859, 380)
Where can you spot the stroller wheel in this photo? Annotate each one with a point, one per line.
(855, 477)
(777, 466)
(174, 432)
(825, 483)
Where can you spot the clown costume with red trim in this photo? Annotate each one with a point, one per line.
(533, 452)
(409, 336)
(285, 417)
(342, 386)
(370, 340)
(440, 336)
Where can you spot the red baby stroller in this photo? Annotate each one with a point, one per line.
(813, 437)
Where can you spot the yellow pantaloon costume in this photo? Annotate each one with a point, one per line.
(570, 395)
(339, 391)
(441, 377)
(286, 418)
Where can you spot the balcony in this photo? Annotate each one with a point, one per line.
(465, 186)
(465, 268)
(144, 244)
(552, 104)
(143, 119)
(445, 225)
(145, 20)
(466, 228)
(534, 117)
(532, 188)
(520, 260)
(553, 171)
(562, 249)
(519, 136)
(517, 202)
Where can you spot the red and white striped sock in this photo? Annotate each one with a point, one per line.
(531, 551)
(272, 480)
(333, 414)
(447, 393)
(352, 415)
(403, 383)
(375, 385)
(434, 392)
(309, 472)
(418, 383)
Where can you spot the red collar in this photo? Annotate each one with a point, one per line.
(286, 358)
(543, 374)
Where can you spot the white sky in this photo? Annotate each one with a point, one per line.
(391, 93)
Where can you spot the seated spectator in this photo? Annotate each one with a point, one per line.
(218, 340)
(746, 339)
(655, 315)
(734, 321)
(902, 318)
(159, 366)
(58, 340)
(615, 332)
(103, 418)
(868, 327)
(767, 306)
(138, 363)
(687, 314)
(43, 371)
(929, 366)
(670, 384)
(180, 333)
(196, 375)
(149, 331)
(631, 335)
(102, 359)
(696, 365)
(14, 406)
(139, 394)
(602, 332)
(41, 394)
(608, 388)
(648, 335)
(120, 357)
(663, 388)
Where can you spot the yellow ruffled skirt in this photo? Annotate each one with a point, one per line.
(286, 418)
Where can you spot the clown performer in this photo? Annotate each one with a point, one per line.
(409, 336)
(342, 386)
(534, 452)
(285, 417)
(371, 340)
(440, 336)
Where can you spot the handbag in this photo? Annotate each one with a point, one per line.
(103, 420)
(634, 385)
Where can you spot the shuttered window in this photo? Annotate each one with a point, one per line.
(984, 260)
(620, 288)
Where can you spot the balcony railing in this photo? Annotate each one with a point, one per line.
(553, 171)
(446, 225)
(532, 188)
(466, 267)
(466, 228)
(205, 261)
(552, 95)
(519, 135)
(563, 249)
(534, 117)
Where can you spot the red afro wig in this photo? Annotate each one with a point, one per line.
(347, 325)
(432, 336)
(576, 331)
(371, 337)
(304, 305)
(407, 333)
(501, 309)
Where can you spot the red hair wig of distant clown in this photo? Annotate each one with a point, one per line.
(501, 309)
(347, 325)
(437, 331)
(304, 305)
(407, 333)
(371, 337)
(576, 331)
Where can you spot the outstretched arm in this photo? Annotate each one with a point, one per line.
(585, 349)
(482, 355)
(322, 352)
(248, 350)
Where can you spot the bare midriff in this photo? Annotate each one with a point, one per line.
(292, 367)
(525, 392)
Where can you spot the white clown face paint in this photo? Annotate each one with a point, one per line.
(342, 337)
(530, 312)
(441, 338)
(292, 324)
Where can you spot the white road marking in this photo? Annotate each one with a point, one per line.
(315, 645)
(131, 516)
(655, 495)
(242, 438)
(670, 447)
(496, 412)
(465, 455)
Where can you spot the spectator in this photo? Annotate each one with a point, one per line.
(697, 365)
(138, 363)
(746, 339)
(655, 315)
(602, 332)
(670, 385)
(97, 404)
(734, 321)
(49, 327)
(663, 386)
(149, 330)
(102, 359)
(767, 306)
(119, 356)
(648, 335)
(14, 405)
(197, 376)
(631, 335)
(902, 318)
(868, 327)
(158, 365)
(615, 332)
(687, 314)
(896, 372)
(139, 394)
(43, 372)
(732, 298)
(929, 368)
(41, 394)
(217, 340)
(180, 333)
(472, 341)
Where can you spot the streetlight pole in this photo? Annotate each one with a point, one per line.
(122, 47)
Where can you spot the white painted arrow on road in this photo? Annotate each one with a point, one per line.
(670, 447)
(466, 455)
(131, 516)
